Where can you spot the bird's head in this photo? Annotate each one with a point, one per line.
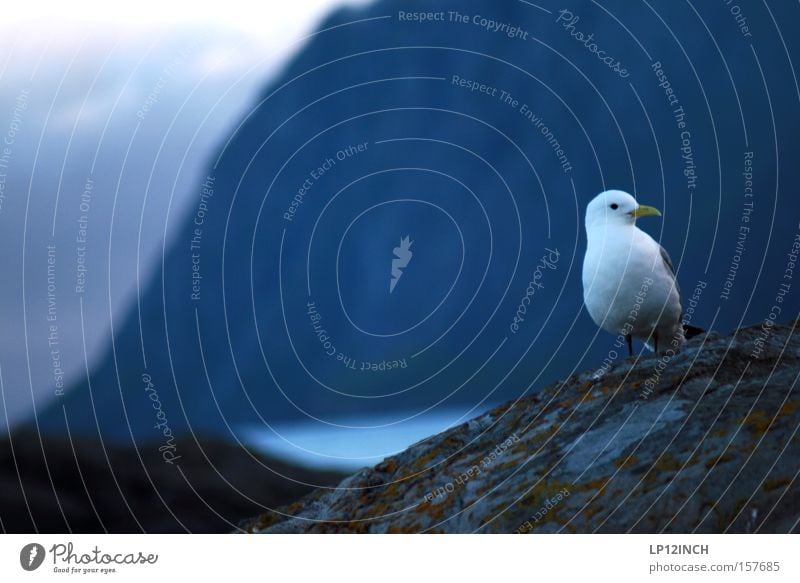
(615, 207)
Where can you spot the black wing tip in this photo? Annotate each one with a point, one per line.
(690, 331)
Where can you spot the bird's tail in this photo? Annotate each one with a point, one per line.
(690, 331)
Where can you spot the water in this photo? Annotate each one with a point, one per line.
(350, 443)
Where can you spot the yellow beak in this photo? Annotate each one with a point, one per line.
(646, 211)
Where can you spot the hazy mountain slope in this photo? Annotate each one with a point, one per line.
(474, 177)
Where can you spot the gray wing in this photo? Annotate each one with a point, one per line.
(667, 260)
(670, 268)
(689, 330)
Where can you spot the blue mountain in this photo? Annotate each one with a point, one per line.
(478, 131)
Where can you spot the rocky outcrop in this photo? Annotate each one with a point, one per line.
(705, 440)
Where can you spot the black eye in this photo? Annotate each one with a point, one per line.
(614, 206)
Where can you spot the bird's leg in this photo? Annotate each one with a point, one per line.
(655, 341)
(629, 338)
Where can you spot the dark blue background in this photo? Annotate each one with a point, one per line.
(478, 159)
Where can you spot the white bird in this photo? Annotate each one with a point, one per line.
(629, 284)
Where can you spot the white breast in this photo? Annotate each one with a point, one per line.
(627, 287)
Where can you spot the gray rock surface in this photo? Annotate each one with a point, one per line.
(702, 441)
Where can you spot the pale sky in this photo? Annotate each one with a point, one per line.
(290, 18)
(278, 27)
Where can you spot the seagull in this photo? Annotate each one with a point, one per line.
(629, 284)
